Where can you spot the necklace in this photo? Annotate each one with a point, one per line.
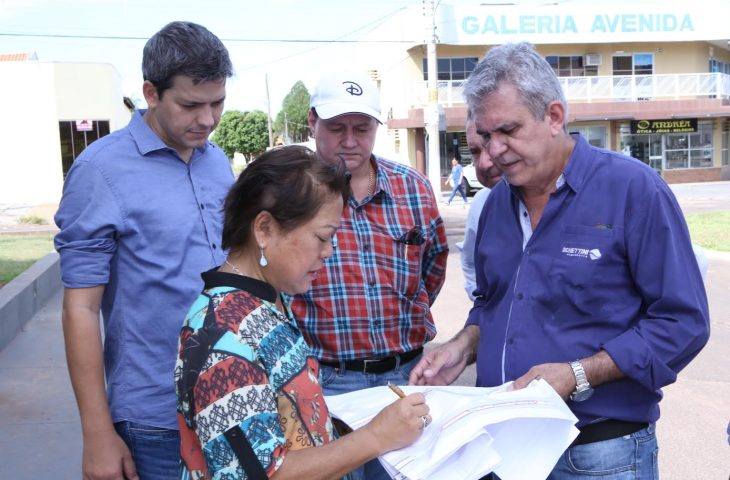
(371, 180)
(235, 268)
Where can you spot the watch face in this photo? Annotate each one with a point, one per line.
(582, 395)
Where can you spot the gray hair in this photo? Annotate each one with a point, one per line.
(184, 48)
(519, 65)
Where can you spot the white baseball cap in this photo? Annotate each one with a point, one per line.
(346, 92)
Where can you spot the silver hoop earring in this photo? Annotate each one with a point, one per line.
(262, 261)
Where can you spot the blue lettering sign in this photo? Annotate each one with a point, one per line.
(505, 29)
(687, 24)
(545, 24)
(470, 25)
(490, 25)
(527, 23)
(628, 23)
(570, 25)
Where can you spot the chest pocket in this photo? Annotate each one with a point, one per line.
(583, 252)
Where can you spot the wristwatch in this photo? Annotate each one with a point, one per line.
(583, 389)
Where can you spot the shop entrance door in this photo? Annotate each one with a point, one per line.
(647, 148)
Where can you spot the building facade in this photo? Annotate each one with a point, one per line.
(650, 79)
(52, 111)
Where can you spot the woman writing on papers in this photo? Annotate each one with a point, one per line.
(249, 400)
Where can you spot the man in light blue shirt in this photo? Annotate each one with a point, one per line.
(139, 220)
(488, 175)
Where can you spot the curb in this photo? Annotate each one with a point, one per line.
(23, 296)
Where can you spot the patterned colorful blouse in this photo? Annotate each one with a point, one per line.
(247, 385)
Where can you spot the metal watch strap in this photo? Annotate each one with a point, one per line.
(581, 381)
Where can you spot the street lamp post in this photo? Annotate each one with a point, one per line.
(432, 111)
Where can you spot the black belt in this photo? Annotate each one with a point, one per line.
(597, 432)
(375, 365)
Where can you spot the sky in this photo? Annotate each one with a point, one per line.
(274, 42)
(280, 40)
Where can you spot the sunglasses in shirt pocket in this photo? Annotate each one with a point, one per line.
(408, 247)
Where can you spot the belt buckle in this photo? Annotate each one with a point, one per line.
(366, 362)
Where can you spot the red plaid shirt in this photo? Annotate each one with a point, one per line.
(373, 297)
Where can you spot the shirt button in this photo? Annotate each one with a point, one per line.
(511, 341)
(202, 207)
(366, 247)
(520, 296)
(214, 246)
(528, 252)
(372, 284)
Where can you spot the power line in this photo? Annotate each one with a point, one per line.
(243, 40)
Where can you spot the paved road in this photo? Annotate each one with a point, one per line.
(39, 428)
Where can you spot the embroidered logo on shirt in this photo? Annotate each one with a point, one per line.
(593, 254)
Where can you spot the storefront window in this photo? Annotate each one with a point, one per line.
(693, 150)
(596, 135)
(670, 150)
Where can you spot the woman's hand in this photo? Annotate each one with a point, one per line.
(400, 423)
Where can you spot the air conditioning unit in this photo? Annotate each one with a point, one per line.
(592, 59)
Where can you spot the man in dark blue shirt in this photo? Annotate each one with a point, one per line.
(585, 273)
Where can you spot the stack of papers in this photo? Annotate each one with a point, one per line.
(518, 434)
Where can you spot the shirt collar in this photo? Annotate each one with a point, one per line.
(146, 139)
(214, 278)
(577, 169)
(380, 175)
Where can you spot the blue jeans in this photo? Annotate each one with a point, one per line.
(155, 451)
(631, 457)
(336, 381)
(458, 188)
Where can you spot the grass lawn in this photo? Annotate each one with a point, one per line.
(710, 230)
(18, 252)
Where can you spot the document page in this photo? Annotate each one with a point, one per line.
(518, 434)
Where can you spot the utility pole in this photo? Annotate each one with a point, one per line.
(286, 128)
(431, 112)
(268, 116)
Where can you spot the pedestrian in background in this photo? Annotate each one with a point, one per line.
(456, 180)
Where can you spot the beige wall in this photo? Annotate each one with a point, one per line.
(90, 91)
(35, 96)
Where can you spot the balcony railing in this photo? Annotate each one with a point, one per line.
(615, 88)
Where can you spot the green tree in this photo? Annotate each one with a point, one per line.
(229, 132)
(294, 109)
(243, 132)
(255, 134)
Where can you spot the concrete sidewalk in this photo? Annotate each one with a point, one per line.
(40, 434)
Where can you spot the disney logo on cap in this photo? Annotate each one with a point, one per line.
(352, 88)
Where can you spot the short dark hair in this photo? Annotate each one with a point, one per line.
(184, 48)
(290, 182)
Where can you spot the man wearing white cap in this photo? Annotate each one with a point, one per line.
(367, 315)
